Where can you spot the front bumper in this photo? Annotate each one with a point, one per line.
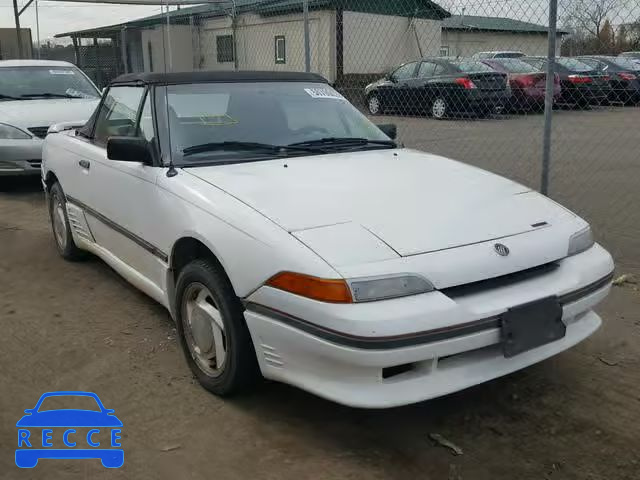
(455, 342)
(20, 157)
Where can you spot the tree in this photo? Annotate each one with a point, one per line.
(590, 15)
(606, 37)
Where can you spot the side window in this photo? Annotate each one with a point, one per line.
(145, 128)
(405, 72)
(426, 69)
(118, 113)
(440, 70)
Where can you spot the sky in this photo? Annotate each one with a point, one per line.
(56, 17)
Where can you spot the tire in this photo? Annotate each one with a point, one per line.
(60, 228)
(212, 330)
(374, 104)
(439, 108)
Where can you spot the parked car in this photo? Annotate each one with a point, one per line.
(633, 55)
(528, 85)
(33, 95)
(624, 76)
(439, 87)
(580, 84)
(498, 54)
(290, 236)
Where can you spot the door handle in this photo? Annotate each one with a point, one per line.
(85, 164)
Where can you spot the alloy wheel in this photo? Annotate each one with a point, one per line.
(439, 108)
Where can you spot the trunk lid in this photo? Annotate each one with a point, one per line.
(489, 81)
(413, 201)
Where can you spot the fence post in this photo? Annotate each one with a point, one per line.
(307, 47)
(123, 49)
(548, 97)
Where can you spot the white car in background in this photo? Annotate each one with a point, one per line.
(290, 237)
(35, 94)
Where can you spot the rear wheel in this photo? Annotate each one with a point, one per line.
(213, 331)
(439, 108)
(60, 225)
(374, 104)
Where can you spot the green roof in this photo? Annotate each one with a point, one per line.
(405, 8)
(495, 24)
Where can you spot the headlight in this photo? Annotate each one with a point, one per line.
(580, 241)
(349, 291)
(7, 132)
(370, 289)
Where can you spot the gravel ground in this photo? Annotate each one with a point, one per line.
(78, 326)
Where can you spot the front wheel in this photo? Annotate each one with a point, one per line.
(60, 225)
(213, 331)
(374, 104)
(439, 108)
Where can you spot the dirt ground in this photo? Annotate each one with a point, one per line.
(78, 326)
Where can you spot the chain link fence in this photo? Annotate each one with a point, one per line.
(465, 79)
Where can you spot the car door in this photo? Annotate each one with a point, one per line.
(397, 95)
(121, 200)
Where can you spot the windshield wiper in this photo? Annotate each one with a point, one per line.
(49, 95)
(8, 97)
(344, 142)
(249, 146)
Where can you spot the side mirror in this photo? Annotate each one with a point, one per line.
(129, 149)
(390, 130)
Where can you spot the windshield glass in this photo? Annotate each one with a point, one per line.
(32, 82)
(513, 65)
(469, 66)
(271, 113)
(574, 65)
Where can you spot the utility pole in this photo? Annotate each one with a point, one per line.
(16, 15)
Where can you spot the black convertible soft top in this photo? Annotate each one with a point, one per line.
(207, 77)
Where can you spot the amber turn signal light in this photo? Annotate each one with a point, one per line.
(322, 289)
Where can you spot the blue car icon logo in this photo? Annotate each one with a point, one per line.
(92, 431)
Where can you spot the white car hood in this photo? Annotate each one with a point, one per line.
(45, 112)
(412, 201)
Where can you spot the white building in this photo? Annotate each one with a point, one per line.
(464, 35)
(348, 38)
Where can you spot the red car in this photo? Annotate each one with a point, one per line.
(527, 84)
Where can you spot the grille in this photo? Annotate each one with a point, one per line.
(39, 132)
(496, 282)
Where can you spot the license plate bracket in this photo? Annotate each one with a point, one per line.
(531, 325)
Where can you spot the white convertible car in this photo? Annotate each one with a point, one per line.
(291, 238)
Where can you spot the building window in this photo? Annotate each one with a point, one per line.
(444, 51)
(281, 49)
(150, 52)
(224, 44)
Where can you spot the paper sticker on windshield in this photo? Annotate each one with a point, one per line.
(324, 93)
(61, 72)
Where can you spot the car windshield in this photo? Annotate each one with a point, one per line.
(69, 402)
(226, 122)
(574, 65)
(470, 66)
(513, 65)
(45, 82)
